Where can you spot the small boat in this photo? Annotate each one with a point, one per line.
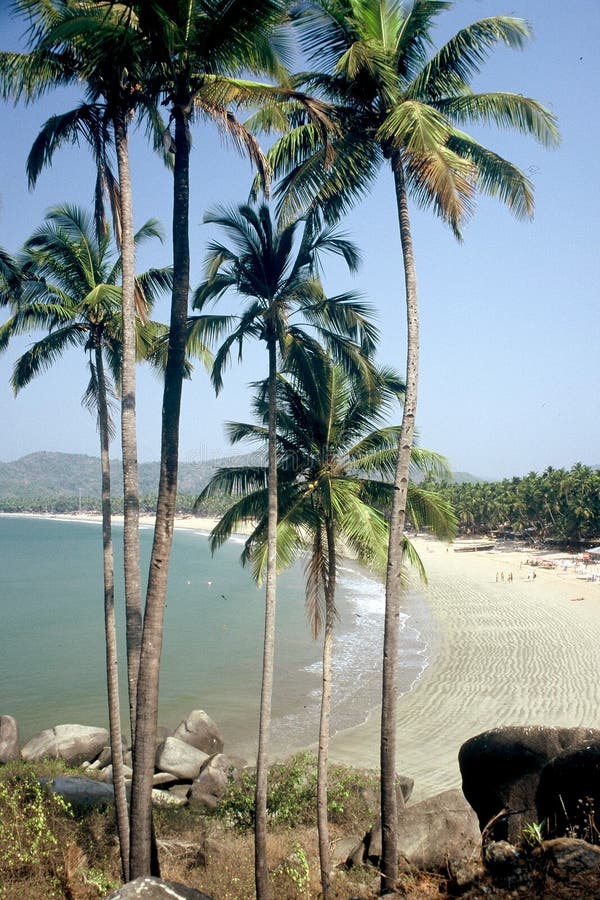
(473, 548)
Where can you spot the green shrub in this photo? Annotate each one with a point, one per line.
(292, 793)
(29, 817)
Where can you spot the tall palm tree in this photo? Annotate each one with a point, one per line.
(94, 43)
(401, 104)
(335, 461)
(196, 48)
(70, 290)
(275, 269)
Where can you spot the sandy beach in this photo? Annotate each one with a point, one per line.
(520, 651)
(503, 648)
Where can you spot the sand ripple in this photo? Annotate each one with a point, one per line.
(503, 653)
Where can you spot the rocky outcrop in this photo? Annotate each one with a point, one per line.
(432, 834)
(501, 772)
(199, 730)
(568, 795)
(75, 744)
(9, 739)
(180, 759)
(212, 782)
(150, 888)
(81, 792)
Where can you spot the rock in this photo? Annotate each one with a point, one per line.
(150, 888)
(105, 757)
(9, 739)
(199, 730)
(167, 798)
(568, 856)
(180, 790)
(568, 795)
(74, 744)
(501, 770)
(163, 778)
(431, 834)
(81, 792)
(107, 774)
(180, 759)
(212, 782)
(507, 865)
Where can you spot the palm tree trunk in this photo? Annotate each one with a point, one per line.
(261, 869)
(148, 677)
(110, 630)
(324, 727)
(131, 498)
(389, 812)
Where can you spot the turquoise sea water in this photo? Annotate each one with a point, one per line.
(52, 632)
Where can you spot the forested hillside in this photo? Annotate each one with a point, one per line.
(60, 482)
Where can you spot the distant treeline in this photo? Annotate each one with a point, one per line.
(212, 507)
(561, 505)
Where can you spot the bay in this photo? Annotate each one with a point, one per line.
(52, 637)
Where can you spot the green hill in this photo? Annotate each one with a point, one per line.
(55, 477)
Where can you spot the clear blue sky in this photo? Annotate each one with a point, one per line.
(510, 319)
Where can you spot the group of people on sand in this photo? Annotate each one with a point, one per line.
(501, 577)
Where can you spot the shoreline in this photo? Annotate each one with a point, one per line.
(518, 651)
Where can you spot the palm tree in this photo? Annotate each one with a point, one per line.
(10, 279)
(95, 43)
(70, 289)
(275, 269)
(196, 49)
(335, 461)
(397, 103)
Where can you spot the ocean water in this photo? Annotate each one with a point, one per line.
(52, 634)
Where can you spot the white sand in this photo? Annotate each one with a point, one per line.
(520, 652)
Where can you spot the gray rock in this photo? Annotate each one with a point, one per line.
(149, 888)
(212, 782)
(107, 774)
(180, 759)
(568, 795)
(506, 864)
(209, 787)
(569, 856)
(431, 834)
(167, 798)
(501, 772)
(163, 778)
(74, 744)
(199, 730)
(81, 792)
(105, 757)
(9, 739)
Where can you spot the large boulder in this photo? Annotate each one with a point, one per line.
(433, 834)
(180, 759)
(150, 888)
(9, 739)
(213, 780)
(75, 744)
(501, 771)
(568, 795)
(199, 730)
(81, 792)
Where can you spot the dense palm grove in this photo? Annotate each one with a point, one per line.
(557, 505)
(381, 97)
